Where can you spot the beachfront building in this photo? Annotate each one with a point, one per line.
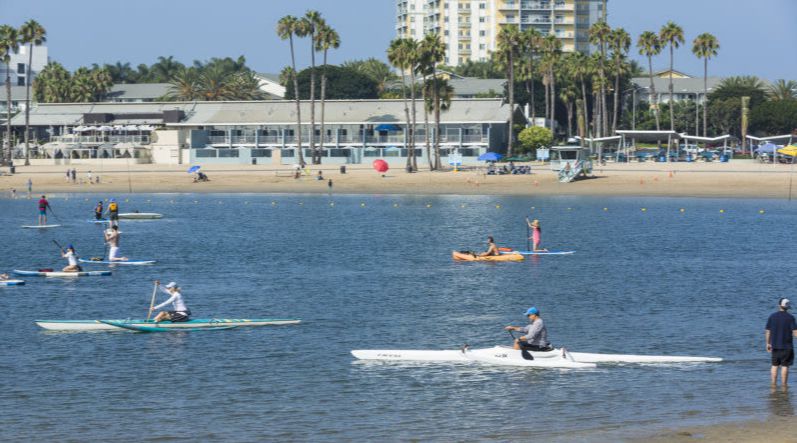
(260, 132)
(470, 28)
(18, 65)
(685, 88)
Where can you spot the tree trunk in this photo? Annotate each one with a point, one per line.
(616, 109)
(547, 84)
(27, 106)
(553, 102)
(672, 108)
(653, 97)
(426, 126)
(509, 150)
(408, 132)
(316, 160)
(411, 161)
(584, 105)
(323, 99)
(7, 155)
(581, 121)
(298, 106)
(705, 98)
(596, 114)
(569, 106)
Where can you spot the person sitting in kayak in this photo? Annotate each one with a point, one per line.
(535, 336)
(113, 212)
(179, 312)
(72, 258)
(536, 235)
(112, 238)
(98, 210)
(492, 249)
(44, 205)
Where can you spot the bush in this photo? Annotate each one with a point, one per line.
(534, 138)
(342, 84)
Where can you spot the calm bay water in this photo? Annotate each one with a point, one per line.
(375, 272)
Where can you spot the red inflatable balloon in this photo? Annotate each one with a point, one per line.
(380, 166)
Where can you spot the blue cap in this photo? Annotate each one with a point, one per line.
(533, 311)
(113, 200)
(70, 247)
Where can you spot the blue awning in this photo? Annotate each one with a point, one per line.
(388, 127)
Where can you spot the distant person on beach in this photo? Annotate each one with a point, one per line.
(30, 187)
(329, 184)
(536, 235)
(492, 249)
(44, 205)
(320, 176)
(780, 332)
(88, 177)
(68, 176)
(74, 175)
(98, 210)
(72, 259)
(535, 336)
(112, 238)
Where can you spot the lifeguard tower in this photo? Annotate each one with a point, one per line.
(571, 162)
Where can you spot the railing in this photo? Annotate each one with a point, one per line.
(397, 139)
(100, 139)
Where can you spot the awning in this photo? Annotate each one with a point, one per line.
(388, 127)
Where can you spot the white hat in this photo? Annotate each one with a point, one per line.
(784, 303)
(171, 285)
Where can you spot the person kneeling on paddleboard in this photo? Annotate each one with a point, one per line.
(180, 311)
(72, 257)
(492, 249)
(536, 335)
(112, 238)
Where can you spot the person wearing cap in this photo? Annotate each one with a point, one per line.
(113, 212)
(112, 238)
(536, 235)
(535, 336)
(72, 258)
(780, 331)
(179, 312)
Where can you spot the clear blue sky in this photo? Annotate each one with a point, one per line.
(757, 37)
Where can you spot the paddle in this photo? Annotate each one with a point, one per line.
(53, 212)
(152, 301)
(528, 235)
(61, 248)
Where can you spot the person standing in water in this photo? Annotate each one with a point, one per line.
(44, 205)
(780, 332)
(72, 258)
(536, 235)
(179, 312)
(112, 238)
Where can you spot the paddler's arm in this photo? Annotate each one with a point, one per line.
(170, 300)
(769, 345)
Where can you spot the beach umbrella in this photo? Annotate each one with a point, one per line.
(490, 157)
(194, 169)
(380, 166)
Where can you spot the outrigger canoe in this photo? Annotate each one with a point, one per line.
(119, 262)
(148, 326)
(506, 356)
(62, 274)
(140, 216)
(470, 256)
(12, 282)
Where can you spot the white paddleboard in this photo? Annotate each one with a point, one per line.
(119, 262)
(40, 226)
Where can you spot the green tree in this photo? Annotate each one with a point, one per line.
(165, 69)
(531, 40)
(326, 39)
(9, 44)
(619, 43)
(775, 117)
(580, 69)
(287, 28)
(599, 34)
(184, 85)
(32, 34)
(705, 46)
(52, 84)
(737, 87)
(509, 41)
(342, 84)
(533, 138)
(311, 24)
(783, 90)
(649, 46)
(432, 53)
(375, 69)
(404, 53)
(671, 35)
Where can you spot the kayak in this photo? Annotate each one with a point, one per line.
(39, 226)
(122, 262)
(62, 274)
(140, 216)
(136, 325)
(539, 252)
(495, 354)
(468, 256)
(12, 282)
(138, 328)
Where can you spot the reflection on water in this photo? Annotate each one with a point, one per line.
(780, 402)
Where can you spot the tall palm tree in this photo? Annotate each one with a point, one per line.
(311, 24)
(398, 54)
(286, 29)
(9, 44)
(568, 96)
(413, 58)
(671, 35)
(599, 35)
(508, 48)
(165, 69)
(183, 85)
(52, 85)
(619, 42)
(326, 39)
(530, 46)
(580, 68)
(552, 48)
(705, 46)
(102, 81)
(32, 34)
(433, 51)
(649, 45)
(783, 90)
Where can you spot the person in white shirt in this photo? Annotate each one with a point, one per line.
(71, 257)
(179, 311)
(112, 238)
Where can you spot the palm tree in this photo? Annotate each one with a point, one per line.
(32, 34)
(531, 40)
(552, 48)
(327, 39)
(9, 44)
(580, 68)
(672, 35)
(402, 54)
(598, 35)
(183, 85)
(433, 52)
(52, 84)
(619, 42)
(705, 46)
(508, 46)
(102, 83)
(286, 28)
(783, 90)
(649, 45)
(568, 95)
(311, 24)
(165, 69)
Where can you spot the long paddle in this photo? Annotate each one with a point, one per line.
(53, 212)
(528, 235)
(152, 301)
(61, 248)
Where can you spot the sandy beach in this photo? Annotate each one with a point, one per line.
(743, 179)
(774, 430)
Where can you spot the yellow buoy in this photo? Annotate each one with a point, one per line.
(761, 211)
(722, 211)
(497, 206)
(333, 204)
(362, 205)
(644, 209)
(605, 209)
(395, 205)
(682, 210)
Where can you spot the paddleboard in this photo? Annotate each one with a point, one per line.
(12, 282)
(539, 252)
(62, 274)
(99, 221)
(40, 226)
(140, 216)
(124, 262)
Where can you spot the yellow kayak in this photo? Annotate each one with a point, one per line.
(468, 256)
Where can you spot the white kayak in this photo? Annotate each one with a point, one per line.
(140, 216)
(145, 325)
(119, 262)
(39, 226)
(508, 356)
(12, 282)
(62, 274)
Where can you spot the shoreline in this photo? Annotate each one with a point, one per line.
(704, 180)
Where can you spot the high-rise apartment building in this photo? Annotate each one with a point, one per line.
(469, 27)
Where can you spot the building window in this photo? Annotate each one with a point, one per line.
(482, 5)
(446, 34)
(481, 20)
(20, 81)
(482, 34)
(20, 68)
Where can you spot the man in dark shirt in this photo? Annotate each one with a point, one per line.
(781, 328)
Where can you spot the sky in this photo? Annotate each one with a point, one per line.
(756, 37)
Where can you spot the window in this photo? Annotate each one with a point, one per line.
(446, 34)
(482, 34)
(481, 19)
(482, 5)
(20, 81)
(20, 68)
